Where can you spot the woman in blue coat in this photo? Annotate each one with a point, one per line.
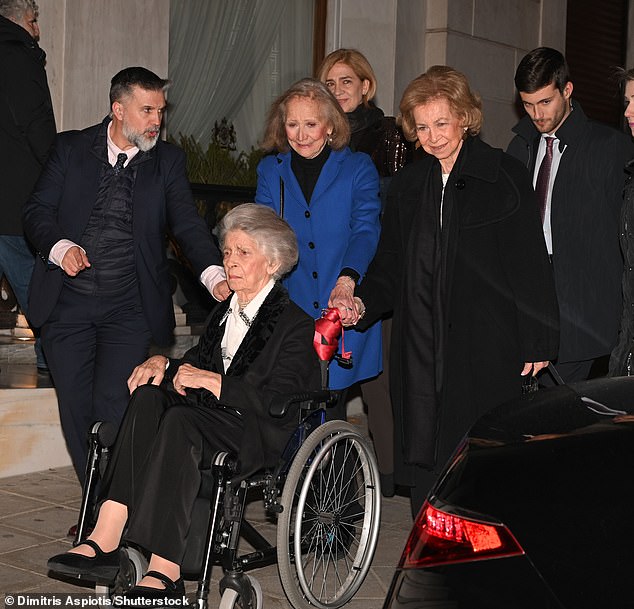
(330, 196)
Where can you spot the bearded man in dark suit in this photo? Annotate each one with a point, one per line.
(98, 216)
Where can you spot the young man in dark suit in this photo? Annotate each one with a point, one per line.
(580, 188)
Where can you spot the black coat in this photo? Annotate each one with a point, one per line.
(498, 304)
(276, 357)
(27, 124)
(380, 138)
(586, 207)
(62, 202)
(621, 360)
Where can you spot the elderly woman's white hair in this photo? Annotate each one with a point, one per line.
(273, 235)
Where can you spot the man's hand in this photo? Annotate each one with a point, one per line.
(151, 369)
(74, 261)
(221, 291)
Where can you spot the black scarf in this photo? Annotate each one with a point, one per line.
(422, 318)
(426, 295)
(365, 124)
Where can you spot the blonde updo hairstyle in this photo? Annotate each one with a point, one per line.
(441, 82)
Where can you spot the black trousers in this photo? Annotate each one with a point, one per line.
(92, 344)
(376, 395)
(570, 372)
(154, 469)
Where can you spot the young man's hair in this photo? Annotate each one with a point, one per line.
(123, 81)
(623, 76)
(540, 68)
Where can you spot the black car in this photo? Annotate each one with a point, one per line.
(535, 509)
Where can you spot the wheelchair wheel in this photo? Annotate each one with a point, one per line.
(328, 529)
(232, 600)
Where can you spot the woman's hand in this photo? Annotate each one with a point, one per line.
(358, 311)
(342, 298)
(190, 377)
(152, 369)
(534, 366)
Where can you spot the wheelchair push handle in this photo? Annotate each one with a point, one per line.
(328, 329)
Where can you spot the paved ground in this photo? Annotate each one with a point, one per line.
(37, 509)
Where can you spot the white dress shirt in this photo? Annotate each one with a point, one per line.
(237, 326)
(557, 154)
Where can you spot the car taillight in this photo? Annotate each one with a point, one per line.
(440, 538)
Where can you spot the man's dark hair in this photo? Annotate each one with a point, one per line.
(17, 9)
(123, 81)
(540, 68)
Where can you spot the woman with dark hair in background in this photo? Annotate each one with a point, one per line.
(463, 265)
(621, 359)
(329, 195)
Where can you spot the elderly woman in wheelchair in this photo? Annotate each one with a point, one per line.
(257, 345)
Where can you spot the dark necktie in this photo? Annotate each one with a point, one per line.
(543, 177)
(122, 157)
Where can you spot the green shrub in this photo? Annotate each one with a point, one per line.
(219, 163)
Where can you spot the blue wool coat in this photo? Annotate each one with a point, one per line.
(340, 228)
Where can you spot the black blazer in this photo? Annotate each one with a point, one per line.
(27, 124)
(499, 308)
(587, 199)
(62, 202)
(275, 358)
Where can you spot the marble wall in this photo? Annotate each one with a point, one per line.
(88, 41)
(30, 434)
(370, 27)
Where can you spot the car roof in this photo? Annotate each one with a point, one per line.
(596, 405)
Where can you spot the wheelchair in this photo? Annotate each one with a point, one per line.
(324, 494)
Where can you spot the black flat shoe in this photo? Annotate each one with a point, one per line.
(173, 590)
(100, 568)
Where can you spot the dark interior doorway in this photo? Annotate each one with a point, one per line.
(596, 42)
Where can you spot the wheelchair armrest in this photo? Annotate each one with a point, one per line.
(104, 433)
(308, 399)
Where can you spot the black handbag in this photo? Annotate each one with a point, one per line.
(530, 384)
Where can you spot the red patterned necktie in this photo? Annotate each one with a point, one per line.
(543, 177)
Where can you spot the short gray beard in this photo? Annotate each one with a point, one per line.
(140, 140)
